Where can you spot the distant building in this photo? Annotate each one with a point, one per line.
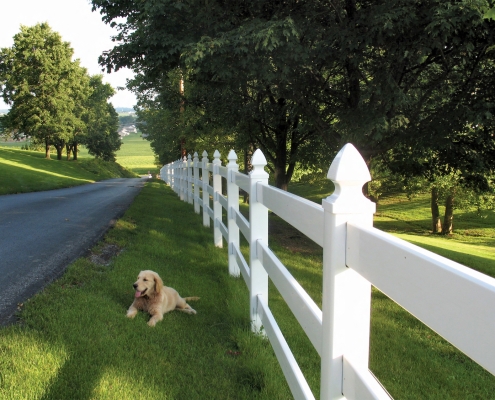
(126, 130)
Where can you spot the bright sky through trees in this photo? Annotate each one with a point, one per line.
(77, 24)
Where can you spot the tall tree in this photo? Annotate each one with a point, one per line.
(41, 83)
(102, 122)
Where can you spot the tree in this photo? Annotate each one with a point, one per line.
(42, 85)
(102, 122)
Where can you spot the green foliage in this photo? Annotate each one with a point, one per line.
(102, 138)
(43, 86)
(127, 119)
(300, 78)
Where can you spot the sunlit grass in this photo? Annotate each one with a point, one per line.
(136, 155)
(28, 363)
(211, 355)
(24, 171)
(92, 351)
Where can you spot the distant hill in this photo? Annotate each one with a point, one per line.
(124, 109)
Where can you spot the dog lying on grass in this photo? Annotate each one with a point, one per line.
(156, 299)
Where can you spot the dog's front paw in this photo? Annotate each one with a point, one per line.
(131, 313)
(152, 322)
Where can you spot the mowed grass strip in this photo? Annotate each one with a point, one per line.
(73, 340)
(23, 171)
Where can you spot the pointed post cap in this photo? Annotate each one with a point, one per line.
(349, 173)
(258, 162)
(216, 157)
(232, 157)
(195, 156)
(348, 165)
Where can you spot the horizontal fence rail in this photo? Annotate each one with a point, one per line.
(451, 299)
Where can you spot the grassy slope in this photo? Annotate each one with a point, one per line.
(28, 171)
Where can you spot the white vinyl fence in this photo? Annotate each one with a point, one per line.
(453, 300)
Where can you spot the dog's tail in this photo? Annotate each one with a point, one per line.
(191, 298)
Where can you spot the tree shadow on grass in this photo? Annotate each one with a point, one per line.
(184, 356)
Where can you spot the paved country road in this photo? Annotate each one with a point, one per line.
(41, 233)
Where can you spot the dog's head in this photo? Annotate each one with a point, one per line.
(148, 283)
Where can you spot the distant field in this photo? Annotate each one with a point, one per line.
(82, 151)
(136, 155)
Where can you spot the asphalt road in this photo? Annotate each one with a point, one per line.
(41, 233)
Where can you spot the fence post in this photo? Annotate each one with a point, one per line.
(205, 179)
(182, 171)
(189, 179)
(346, 295)
(232, 207)
(176, 177)
(196, 182)
(258, 221)
(217, 207)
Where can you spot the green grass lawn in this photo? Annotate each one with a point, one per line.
(28, 171)
(24, 171)
(74, 341)
(136, 155)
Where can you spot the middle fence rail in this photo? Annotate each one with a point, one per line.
(355, 256)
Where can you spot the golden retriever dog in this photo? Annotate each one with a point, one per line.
(156, 299)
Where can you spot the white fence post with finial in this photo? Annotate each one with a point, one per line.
(217, 207)
(258, 221)
(190, 194)
(346, 303)
(232, 207)
(183, 180)
(177, 177)
(205, 180)
(196, 182)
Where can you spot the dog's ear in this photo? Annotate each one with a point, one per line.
(158, 283)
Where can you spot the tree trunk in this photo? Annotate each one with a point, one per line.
(47, 149)
(68, 150)
(74, 152)
(280, 173)
(447, 226)
(248, 154)
(59, 148)
(435, 213)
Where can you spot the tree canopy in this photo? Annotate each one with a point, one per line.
(42, 85)
(102, 138)
(408, 82)
(53, 99)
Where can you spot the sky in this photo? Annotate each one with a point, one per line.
(78, 25)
